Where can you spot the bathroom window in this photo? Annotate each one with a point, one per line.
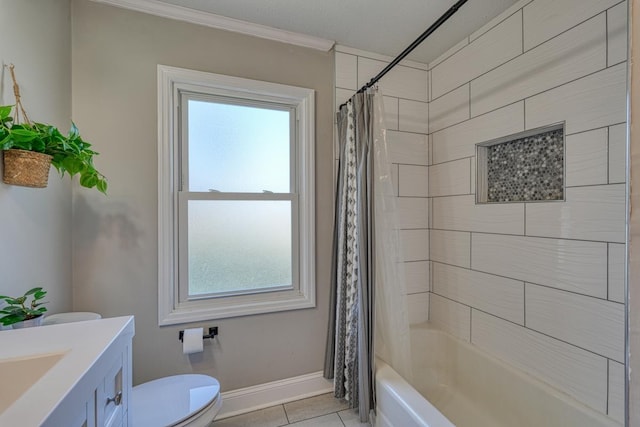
(236, 201)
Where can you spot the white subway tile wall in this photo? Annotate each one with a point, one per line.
(415, 245)
(591, 102)
(346, 71)
(407, 148)
(449, 109)
(591, 323)
(571, 55)
(493, 48)
(498, 19)
(572, 265)
(412, 116)
(450, 179)
(451, 247)
(617, 254)
(617, 153)
(617, 34)
(589, 213)
(587, 160)
(450, 316)
(460, 140)
(416, 275)
(462, 214)
(418, 306)
(544, 19)
(616, 391)
(401, 82)
(496, 295)
(575, 371)
(539, 285)
(412, 180)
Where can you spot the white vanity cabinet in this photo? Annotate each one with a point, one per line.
(90, 385)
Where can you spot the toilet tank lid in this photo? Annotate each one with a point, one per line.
(170, 400)
(70, 317)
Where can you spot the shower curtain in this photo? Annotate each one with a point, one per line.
(368, 316)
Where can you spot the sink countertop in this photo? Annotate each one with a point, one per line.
(82, 344)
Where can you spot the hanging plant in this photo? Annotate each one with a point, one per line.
(30, 147)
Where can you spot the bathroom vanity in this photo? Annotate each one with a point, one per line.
(75, 374)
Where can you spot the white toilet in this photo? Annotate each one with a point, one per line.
(191, 400)
(180, 400)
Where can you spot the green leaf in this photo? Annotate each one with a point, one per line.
(72, 165)
(22, 145)
(89, 180)
(5, 111)
(23, 135)
(73, 131)
(32, 291)
(102, 186)
(6, 143)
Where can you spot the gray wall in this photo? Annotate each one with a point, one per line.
(115, 54)
(35, 224)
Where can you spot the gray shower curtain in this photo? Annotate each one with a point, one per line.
(350, 354)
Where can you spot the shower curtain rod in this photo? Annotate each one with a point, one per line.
(448, 14)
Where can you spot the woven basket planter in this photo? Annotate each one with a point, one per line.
(26, 168)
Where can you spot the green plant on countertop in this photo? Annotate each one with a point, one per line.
(19, 309)
(70, 153)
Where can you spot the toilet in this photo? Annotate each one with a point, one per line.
(189, 400)
(181, 400)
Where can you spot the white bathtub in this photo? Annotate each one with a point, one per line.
(456, 384)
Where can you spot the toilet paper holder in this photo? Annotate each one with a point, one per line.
(213, 332)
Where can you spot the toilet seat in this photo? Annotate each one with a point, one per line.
(178, 400)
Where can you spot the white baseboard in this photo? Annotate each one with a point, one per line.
(236, 402)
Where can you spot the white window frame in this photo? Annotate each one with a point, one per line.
(171, 310)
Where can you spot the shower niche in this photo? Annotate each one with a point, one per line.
(524, 167)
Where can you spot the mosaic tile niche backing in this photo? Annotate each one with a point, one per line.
(528, 168)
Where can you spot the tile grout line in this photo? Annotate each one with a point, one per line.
(608, 375)
(607, 268)
(522, 28)
(524, 304)
(529, 282)
(608, 154)
(606, 37)
(286, 414)
(532, 236)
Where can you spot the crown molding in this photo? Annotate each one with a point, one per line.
(180, 13)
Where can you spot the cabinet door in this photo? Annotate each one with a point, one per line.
(109, 404)
(85, 417)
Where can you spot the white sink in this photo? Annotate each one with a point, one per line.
(20, 373)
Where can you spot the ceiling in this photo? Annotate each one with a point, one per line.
(380, 26)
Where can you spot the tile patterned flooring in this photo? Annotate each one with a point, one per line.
(319, 411)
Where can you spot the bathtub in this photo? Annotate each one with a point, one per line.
(457, 384)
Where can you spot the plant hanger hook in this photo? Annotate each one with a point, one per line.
(16, 94)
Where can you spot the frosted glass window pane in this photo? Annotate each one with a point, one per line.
(236, 148)
(239, 245)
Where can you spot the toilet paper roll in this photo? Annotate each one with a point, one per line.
(192, 341)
